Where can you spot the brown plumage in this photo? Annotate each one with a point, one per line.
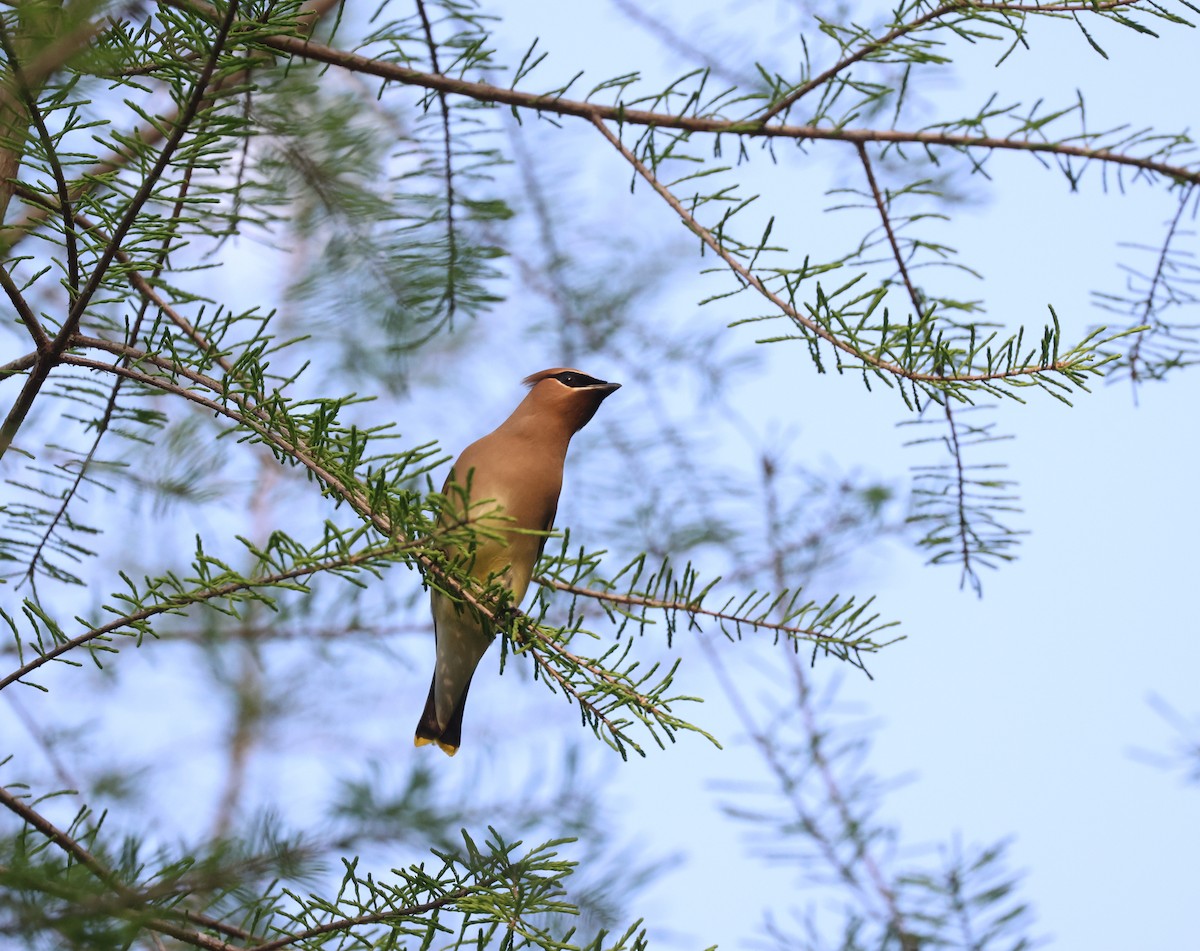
(516, 473)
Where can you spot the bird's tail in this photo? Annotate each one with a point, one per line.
(429, 730)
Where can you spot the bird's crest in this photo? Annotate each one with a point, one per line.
(564, 375)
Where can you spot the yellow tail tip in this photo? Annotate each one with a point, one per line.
(447, 748)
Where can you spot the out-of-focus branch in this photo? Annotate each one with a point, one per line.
(40, 67)
(127, 901)
(143, 136)
(52, 357)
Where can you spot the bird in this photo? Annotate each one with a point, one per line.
(506, 485)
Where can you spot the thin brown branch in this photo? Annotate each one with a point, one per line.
(542, 102)
(955, 6)
(790, 310)
(886, 218)
(858, 55)
(448, 295)
(169, 605)
(40, 339)
(346, 924)
(35, 819)
(127, 897)
(694, 610)
(964, 527)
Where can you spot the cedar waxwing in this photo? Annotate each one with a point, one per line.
(513, 476)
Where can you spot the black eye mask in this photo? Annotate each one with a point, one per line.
(573, 379)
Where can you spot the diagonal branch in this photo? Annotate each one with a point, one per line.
(200, 596)
(880, 43)
(40, 339)
(804, 321)
(882, 205)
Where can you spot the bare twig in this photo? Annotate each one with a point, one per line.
(448, 295)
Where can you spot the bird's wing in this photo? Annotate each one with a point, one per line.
(549, 526)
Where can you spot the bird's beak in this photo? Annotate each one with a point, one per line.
(606, 388)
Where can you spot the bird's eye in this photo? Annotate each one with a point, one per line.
(573, 379)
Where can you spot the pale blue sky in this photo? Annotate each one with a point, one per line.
(1015, 714)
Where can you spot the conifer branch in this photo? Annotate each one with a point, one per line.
(739, 620)
(1074, 363)
(748, 128)
(955, 447)
(202, 594)
(881, 43)
(127, 902)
